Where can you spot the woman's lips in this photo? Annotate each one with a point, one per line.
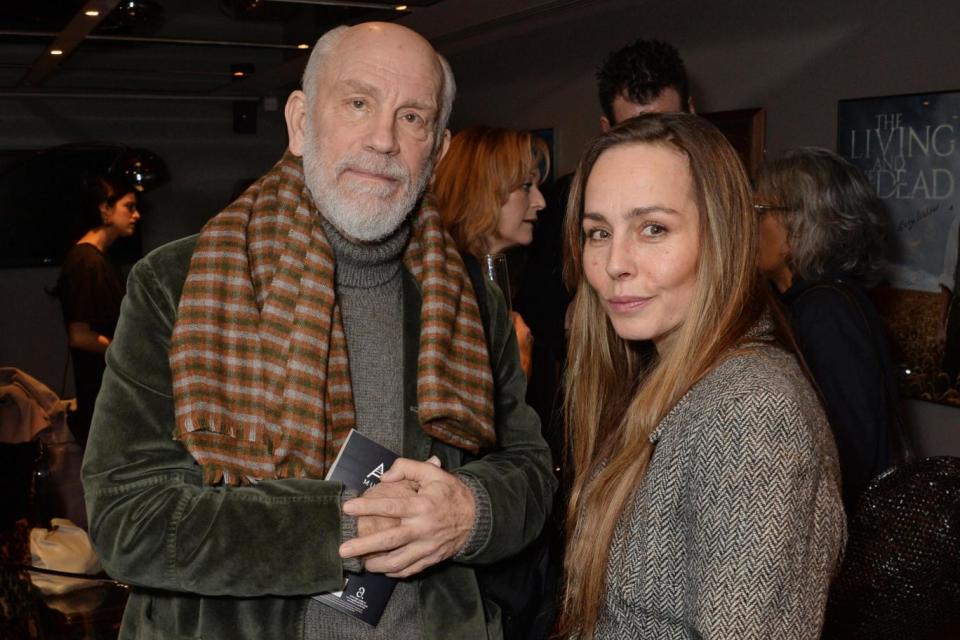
(625, 304)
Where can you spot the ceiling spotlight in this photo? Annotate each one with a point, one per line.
(93, 13)
(241, 70)
(303, 45)
(56, 52)
(139, 17)
(352, 4)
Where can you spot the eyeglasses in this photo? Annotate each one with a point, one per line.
(763, 208)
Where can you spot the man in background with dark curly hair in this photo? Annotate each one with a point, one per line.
(646, 76)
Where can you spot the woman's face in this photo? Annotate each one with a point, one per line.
(517, 215)
(642, 239)
(122, 216)
(774, 245)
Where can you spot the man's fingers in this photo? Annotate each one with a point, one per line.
(406, 469)
(404, 488)
(400, 562)
(368, 525)
(376, 543)
(388, 507)
(431, 525)
(418, 566)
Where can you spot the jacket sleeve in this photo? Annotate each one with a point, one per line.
(847, 366)
(152, 521)
(766, 524)
(517, 473)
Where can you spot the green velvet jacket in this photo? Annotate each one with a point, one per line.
(239, 562)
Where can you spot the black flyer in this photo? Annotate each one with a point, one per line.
(359, 465)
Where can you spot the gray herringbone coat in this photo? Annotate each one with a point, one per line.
(739, 525)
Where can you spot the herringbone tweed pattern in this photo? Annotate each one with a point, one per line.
(739, 525)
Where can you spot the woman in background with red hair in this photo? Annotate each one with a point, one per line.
(487, 192)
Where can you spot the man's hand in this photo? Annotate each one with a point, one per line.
(524, 343)
(434, 523)
(368, 525)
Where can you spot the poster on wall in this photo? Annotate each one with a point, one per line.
(907, 147)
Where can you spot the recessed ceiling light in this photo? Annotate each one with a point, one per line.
(303, 45)
(238, 74)
(56, 52)
(93, 13)
(354, 4)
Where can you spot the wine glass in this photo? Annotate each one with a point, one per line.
(495, 267)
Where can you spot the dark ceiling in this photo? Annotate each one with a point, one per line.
(176, 47)
(217, 49)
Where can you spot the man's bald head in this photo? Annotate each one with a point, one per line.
(386, 35)
(370, 124)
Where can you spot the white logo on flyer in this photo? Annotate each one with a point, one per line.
(376, 473)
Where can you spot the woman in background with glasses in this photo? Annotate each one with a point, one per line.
(822, 240)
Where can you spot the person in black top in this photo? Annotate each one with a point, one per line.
(90, 289)
(822, 235)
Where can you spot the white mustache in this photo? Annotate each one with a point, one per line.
(379, 165)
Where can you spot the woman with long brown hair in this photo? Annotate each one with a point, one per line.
(705, 499)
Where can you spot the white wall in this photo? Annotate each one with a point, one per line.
(795, 59)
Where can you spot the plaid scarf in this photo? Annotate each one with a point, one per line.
(261, 378)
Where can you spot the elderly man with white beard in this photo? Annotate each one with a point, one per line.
(326, 298)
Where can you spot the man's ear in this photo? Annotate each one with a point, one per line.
(604, 124)
(690, 106)
(444, 146)
(295, 114)
(442, 151)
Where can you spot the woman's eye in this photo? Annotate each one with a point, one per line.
(596, 234)
(527, 186)
(653, 230)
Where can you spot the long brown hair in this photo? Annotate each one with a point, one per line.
(476, 176)
(617, 392)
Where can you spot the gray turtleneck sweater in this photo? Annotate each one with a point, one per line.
(368, 285)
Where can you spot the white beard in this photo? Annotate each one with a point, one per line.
(369, 211)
